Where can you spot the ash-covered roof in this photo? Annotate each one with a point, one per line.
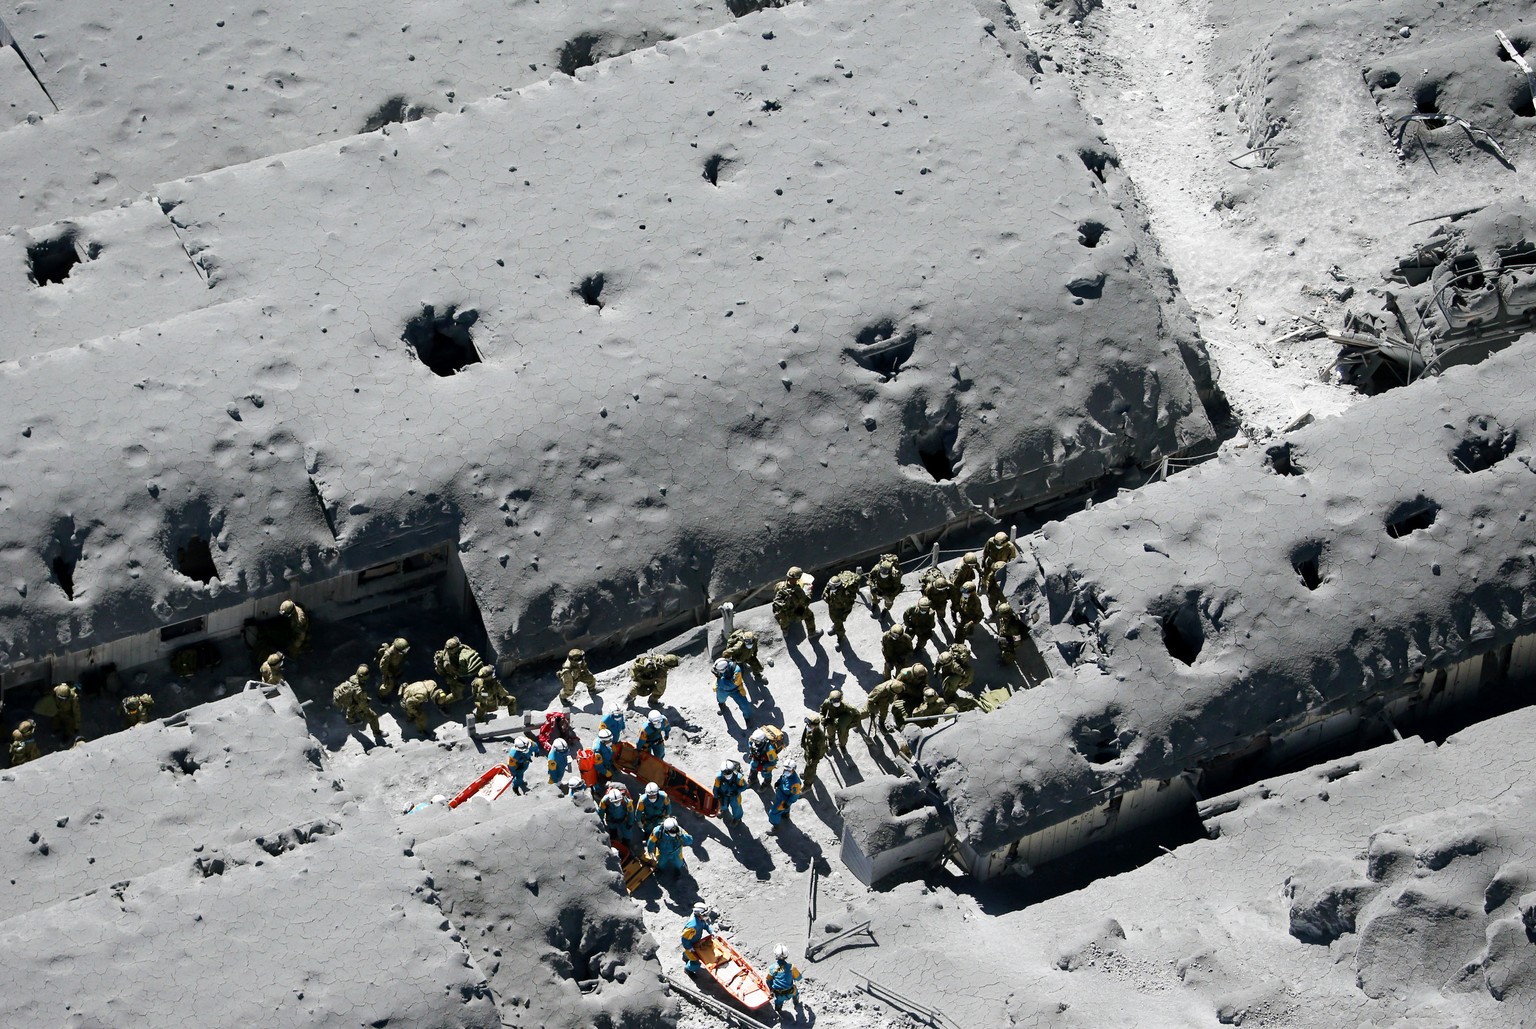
(1257, 589)
(737, 301)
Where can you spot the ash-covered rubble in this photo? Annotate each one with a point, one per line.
(1387, 888)
(619, 345)
(1368, 571)
(211, 870)
(1469, 290)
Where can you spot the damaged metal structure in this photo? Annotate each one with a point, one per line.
(1467, 292)
(1356, 579)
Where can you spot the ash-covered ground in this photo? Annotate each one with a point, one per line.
(720, 289)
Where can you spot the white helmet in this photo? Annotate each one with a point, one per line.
(788, 767)
(614, 794)
(759, 734)
(671, 826)
(728, 765)
(652, 790)
(721, 666)
(439, 799)
(656, 718)
(560, 744)
(605, 734)
(523, 743)
(699, 907)
(781, 952)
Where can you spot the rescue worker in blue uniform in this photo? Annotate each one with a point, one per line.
(729, 685)
(518, 760)
(655, 807)
(665, 846)
(617, 815)
(559, 757)
(613, 719)
(728, 790)
(782, 979)
(764, 757)
(695, 929)
(786, 790)
(653, 735)
(605, 765)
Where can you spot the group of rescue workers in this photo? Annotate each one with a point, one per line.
(907, 693)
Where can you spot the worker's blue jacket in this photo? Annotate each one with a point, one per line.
(604, 752)
(558, 759)
(653, 813)
(669, 848)
(518, 761)
(652, 738)
(613, 721)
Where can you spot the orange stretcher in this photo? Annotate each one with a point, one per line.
(479, 784)
(674, 782)
(733, 972)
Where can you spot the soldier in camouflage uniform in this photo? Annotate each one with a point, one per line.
(414, 697)
(896, 646)
(491, 694)
(272, 669)
(878, 709)
(136, 710)
(914, 680)
(956, 669)
(456, 664)
(885, 583)
(298, 625)
(932, 704)
(838, 717)
(741, 648)
(921, 622)
(993, 581)
(813, 746)
(841, 594)
(66, 710)
(391, 662)
(351, 699)
(1010, 631)
(968, 572)
(998, 548)
(649, 673)
(24, 746)
(968, 613)
(792, 604)
(576, 673)
(935, 585)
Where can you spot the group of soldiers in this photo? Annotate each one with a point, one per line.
(136, 710)
(460, 668)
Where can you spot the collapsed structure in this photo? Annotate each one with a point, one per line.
(588, 358)
(1366, 572)
(1467, 291)
(211, 870)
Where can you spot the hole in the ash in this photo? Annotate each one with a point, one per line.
(195, 560)
(182, 762)
(579, 52)
(1520, 100)
(1085, 288)
(1520, 255)
(590, 289)
(1386, 80)
(878, 349)
(1098, 162)
(1097, 738)
(1307, 561)
(51, 260)
(935, 451)
(1182, 628)
(1426, 100)
(1484, 444)
(395, 111)
(1521, 44)
(715, 167)
(1282, 459)
(443, 342)
(1412, 516)
(64, 575)
(1089, 234)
